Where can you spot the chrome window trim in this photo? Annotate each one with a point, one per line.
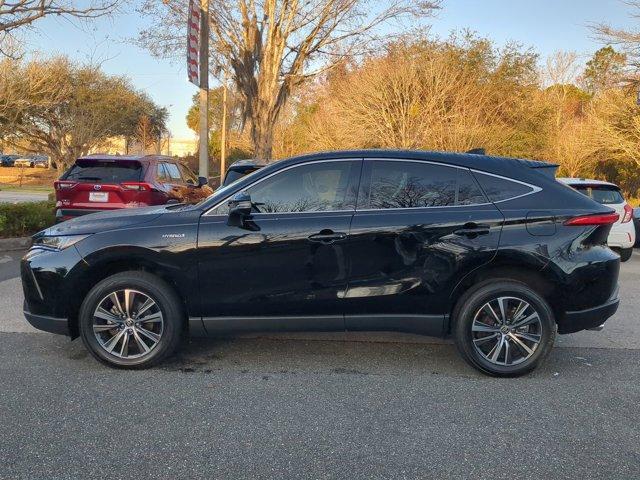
(260, 180)
(420, 208)
(534, 188)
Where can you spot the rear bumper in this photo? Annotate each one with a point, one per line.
(622, 236)
(590, 318)
(66, 213)
(45, 323)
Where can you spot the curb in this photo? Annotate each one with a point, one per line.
(15, 243)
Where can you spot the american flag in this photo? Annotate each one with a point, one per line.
(193, 43)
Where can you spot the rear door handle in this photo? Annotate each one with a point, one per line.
(327, 236)
(472, 230)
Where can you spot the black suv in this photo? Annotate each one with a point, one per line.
(492, 251)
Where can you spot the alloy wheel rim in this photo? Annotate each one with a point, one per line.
(128, 324)
(506, 331)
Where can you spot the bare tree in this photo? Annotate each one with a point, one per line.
(272, 46)
(17, 14)
(144, 132)
(626, 40)
(561, 68)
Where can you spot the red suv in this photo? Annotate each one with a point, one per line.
(108, 182)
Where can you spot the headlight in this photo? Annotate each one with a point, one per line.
(57, 243)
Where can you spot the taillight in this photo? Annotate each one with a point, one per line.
(628, 213)
(138, 186)
(597, 219)
(63, 185)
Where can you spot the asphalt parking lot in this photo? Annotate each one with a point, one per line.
(319, 406)
(14, 196)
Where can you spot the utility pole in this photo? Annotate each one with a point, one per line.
(223, 139)
(203, 164)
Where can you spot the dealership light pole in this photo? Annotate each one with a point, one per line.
(203, 164)
(223, 137)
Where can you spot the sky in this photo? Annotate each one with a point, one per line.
(544, 25)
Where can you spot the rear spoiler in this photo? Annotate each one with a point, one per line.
(545, 168)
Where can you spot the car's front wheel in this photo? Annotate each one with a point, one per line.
(504, 328)
(131, 320)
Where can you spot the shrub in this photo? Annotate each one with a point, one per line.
(22, 219)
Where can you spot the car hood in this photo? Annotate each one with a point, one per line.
(104, 221)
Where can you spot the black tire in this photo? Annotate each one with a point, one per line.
(471, 304)
(625, 254)
(151, 286)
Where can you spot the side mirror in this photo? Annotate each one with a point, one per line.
(239, 210)
(202, 181)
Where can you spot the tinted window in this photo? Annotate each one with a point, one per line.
(309, 188)
(97, 171)
(498, 189)
(163, 176)
(233, 175)
(605, 194)
(469, 192)
(172, 170)
(187, 174)
(397, 184)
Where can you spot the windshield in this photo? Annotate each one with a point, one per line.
(603, 194)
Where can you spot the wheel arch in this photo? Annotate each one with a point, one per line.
(101, 265)
(533, 274)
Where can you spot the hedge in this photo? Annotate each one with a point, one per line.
(22, 219)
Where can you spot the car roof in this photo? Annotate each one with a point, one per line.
(115, 158)
(492, 164)
(586, 181)
(249, 162)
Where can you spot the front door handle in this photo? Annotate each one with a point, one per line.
(327, 236)
(472, 230)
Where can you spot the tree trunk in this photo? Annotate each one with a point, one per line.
(60, 165)
(262, 138)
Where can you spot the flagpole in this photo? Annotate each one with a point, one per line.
(203, 164)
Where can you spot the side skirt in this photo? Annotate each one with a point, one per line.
(431, 325)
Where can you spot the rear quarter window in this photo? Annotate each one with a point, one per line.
(499, 188)
(96, 171)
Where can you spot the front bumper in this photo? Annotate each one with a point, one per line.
(588, 319)
(45, 323)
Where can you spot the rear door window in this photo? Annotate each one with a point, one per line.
(173, 171)
(404, 184)
(97, 171)
(162, 174)
(604, 194)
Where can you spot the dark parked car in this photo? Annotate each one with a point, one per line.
(110, 182)
(492, 251)
(8, 160)
(241, 168)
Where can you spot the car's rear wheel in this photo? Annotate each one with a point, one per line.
(131, 320)
(504, 328)
(625, 254)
